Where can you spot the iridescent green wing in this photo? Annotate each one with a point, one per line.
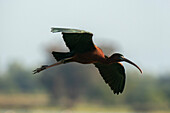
(114, 76)
(78, 41)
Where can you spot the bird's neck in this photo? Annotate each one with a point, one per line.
(109, 60)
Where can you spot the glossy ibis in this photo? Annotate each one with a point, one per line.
(83, 50)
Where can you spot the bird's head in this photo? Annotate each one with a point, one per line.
(117, 57)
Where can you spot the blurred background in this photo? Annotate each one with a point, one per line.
(139, 29)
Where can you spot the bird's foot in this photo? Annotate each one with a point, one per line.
(40, 69)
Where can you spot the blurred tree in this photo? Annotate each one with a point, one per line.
(143, 93)
(18, 79)
(163, 85)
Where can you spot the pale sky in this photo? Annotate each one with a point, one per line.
(141, 28)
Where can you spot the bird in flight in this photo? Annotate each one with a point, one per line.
(83, 50)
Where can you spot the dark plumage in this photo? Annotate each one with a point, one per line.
(83, 50)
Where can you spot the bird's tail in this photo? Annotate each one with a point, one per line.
(62, 55)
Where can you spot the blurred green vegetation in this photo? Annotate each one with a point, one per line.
(72, 85)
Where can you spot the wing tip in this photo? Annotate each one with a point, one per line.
(54, 30)
(68, 30)
(117, 92)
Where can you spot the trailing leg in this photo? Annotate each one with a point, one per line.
(63, 61)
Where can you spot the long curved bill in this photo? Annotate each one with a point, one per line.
(130, 62)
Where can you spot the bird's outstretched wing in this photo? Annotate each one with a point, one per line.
(78, 41)
(114, 75)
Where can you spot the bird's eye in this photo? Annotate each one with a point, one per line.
(122, 57)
